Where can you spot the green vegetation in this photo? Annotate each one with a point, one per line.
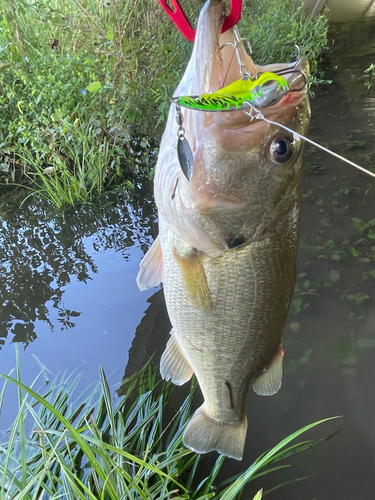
(369, 75)
(270, 28)
(347, 350)
(293, 364)
(98, 446)
(85, 86)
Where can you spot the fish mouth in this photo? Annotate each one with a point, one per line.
(221, 59)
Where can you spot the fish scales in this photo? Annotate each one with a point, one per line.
(248, 289)
(227, 243)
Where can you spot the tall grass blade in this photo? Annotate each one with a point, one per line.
(233, 490)
(258, 496)
(115, 448)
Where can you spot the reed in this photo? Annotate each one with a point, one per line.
(98, 445)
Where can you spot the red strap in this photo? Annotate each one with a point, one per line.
(180, 20)
(234, 15)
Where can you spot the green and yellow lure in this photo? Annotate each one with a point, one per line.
(265, 91)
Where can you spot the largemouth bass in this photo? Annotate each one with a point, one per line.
(227, 243)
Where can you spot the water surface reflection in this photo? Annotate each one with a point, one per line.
(68, 289)
(43, 252)
(68, 286)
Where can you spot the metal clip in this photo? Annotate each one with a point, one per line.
(254, 113)
(179, 120)
(184, 152)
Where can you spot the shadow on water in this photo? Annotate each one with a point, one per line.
(329, 337)
(151, 335)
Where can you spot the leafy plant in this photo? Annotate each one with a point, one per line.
(293, 364)
(367, 228)
(271, 28)
(297, 305)
(369, 75)
(358, 297)
(330, 251)
(86, 86)
(347, 350)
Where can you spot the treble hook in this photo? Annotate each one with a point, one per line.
(291, 68)
(245, 73)
(293, 65)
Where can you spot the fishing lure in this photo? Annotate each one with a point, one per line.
(265, 91)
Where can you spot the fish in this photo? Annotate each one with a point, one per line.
(228, 235)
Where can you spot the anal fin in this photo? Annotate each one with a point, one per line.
(195, 280)
(151, 267)
(173, 364)
(269, 382)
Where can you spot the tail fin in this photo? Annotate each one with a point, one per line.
(203, 434)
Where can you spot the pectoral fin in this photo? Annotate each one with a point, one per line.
(269, 382)
(151, 267)
(195, 280)
(173, 364)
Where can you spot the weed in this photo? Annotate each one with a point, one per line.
(342, 192)
(346, 350)
(366, 228)
(293, 364)
(307, 194)
(369, 75)
(358, 297)
(329, 251)
(270, 27)
(297, 305)
(349, 144)
(113, 448)
(86, 86)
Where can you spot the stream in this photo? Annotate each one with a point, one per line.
(69, 296)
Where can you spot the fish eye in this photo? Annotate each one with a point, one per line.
(281, 149)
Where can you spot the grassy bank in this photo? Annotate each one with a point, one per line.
(98, 445)
(85, 86)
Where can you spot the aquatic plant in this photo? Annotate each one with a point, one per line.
(98, 446)
(86, 86)
(369, 75)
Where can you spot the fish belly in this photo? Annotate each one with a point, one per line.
(228, 344)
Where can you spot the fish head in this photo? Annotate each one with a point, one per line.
(246, 171)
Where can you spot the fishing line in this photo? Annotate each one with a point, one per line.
(231, 60)
(259, 116)
(245, 73)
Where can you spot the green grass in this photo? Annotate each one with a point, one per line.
(86, 85)
(99, 446)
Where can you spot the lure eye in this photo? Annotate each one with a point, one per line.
(269, 84)
(281, 149)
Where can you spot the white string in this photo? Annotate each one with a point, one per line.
(259, 116)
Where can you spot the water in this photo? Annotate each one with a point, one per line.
(68, 286)
(69, 294)
(342, 10)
